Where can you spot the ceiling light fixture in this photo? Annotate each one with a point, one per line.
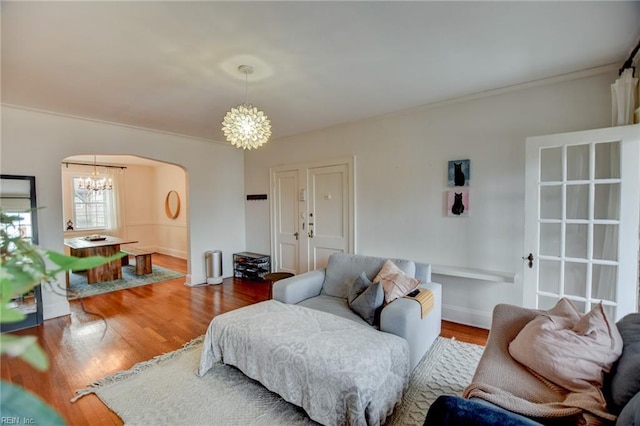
(95, 182)
(245, 126)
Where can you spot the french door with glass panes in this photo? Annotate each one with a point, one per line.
(582, 219)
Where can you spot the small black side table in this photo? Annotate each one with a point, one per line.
(276, 276)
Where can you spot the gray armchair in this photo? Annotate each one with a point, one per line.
(326, 290)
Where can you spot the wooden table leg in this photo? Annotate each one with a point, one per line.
(107, 272)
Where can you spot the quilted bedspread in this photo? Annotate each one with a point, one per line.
(338, 371)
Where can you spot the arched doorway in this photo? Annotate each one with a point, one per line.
(135, 206)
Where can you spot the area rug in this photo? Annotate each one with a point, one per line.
(165, 390)
(78, 287)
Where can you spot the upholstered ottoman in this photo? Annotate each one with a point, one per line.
(338, 371)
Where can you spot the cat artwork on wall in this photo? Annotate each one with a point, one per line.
(458, 206)
(458, 203)
(459, 173)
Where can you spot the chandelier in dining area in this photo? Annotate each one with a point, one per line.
(95, 182)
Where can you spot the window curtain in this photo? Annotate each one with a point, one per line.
(623, 98)
(604, 240)
(115, 218)
(576, 235)
(605, 278)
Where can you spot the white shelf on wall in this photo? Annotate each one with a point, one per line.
(473, 273)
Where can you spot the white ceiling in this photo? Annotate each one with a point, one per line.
(171, 66)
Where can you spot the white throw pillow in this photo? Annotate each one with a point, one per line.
(395, 283)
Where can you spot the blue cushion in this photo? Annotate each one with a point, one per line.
(630, 414)
(456, 411)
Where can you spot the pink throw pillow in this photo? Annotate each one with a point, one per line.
(395, 283)
(571, 350)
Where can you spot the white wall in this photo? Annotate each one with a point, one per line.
(140, 205)
(35, 143)
(171, 234)
(401, 179)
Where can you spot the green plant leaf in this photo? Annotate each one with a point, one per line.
(22, 267)
(20, 404)
(35, 356)
(13, 345)
(6, 286)
(25, 347)
(16, 281)
(9, 315)
(8, 219)
(67, 263)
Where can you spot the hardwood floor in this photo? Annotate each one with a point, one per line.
(111, 332)
(464, 333)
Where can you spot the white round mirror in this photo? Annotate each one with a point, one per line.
(172, 205)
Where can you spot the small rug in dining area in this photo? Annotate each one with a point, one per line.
(78, 287)
(165, 390)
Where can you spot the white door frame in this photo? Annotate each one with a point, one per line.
(629, 221)
(303, 168)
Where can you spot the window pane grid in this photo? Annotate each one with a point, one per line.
(571, 174)
(89, 208)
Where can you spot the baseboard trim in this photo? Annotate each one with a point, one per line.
(171, 252)
(466, 316)
(55, 310)
(188, 280)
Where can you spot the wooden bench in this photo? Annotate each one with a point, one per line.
(143, 260)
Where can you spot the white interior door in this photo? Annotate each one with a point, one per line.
(312, 214)
(582, 219)
(328, 213)
(286, 219)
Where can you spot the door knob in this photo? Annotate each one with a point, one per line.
(296, 235)
(530, 259)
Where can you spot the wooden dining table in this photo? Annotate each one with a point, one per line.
(99, 246)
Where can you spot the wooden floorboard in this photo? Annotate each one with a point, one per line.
(112, 332)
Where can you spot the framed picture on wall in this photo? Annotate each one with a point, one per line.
(459, 173)
(458, 203)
